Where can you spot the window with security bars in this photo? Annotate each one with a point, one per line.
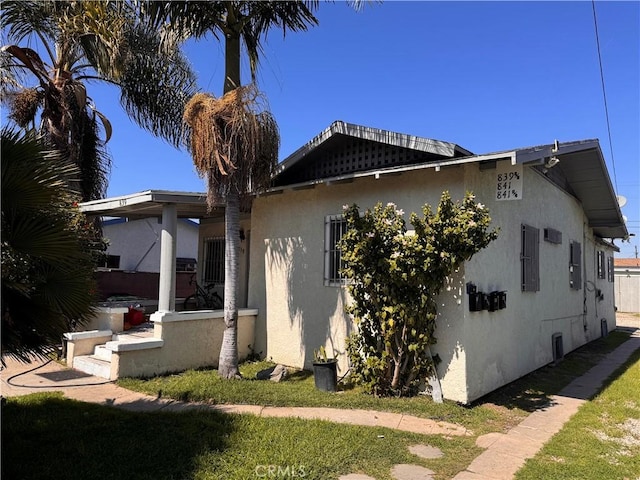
(530, 258)
(335, 226)
(602, 273)
(575, 266)
(213, 260)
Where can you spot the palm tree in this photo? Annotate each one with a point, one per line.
(47, 249)
(83, 41)
(234, 140)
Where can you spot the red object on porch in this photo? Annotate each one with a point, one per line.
(134, 316)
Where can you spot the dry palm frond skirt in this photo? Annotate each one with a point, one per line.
(234, 141)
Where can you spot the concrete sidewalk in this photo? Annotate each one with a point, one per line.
(505, 453)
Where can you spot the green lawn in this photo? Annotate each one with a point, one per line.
(48, 436)
(602, 441)
(496, 412)
(298, 390)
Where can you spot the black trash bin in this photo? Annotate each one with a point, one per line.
(325, 375)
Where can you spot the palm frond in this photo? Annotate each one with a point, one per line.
(234, 141)
(22, 18)
(256, 19)
(47, 270)
(156, 84)
(24, 177)
(188, 19)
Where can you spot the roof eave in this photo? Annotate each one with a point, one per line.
(148, 203)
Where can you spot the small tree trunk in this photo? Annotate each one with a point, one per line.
(433, 380)
(228, 362)
(398, 369)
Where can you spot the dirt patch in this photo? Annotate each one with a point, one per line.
(631, 437)
(509, 417)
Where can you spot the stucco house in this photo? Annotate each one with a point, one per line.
(134, 244)
(543, 288)
(132, 267)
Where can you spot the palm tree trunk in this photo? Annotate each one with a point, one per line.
(228, 361)
(232, 63)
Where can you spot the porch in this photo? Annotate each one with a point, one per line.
(171, 340)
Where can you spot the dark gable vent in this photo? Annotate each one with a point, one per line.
(346, 155)
(552, 236)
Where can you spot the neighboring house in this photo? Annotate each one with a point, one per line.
(134, 245)
(627, 284)
(133, 258)
(551, 267)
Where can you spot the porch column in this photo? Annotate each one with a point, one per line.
(168, 238)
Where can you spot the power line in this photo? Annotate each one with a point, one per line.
(604, 95)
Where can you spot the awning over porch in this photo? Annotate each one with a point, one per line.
(158, 203)
(150, 203)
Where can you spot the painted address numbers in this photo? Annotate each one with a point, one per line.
(508, 181)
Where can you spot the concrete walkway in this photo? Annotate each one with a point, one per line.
(505, 453)
(19, 379)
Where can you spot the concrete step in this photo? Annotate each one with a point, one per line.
(93, 366)
(133, 335)
(102, 353)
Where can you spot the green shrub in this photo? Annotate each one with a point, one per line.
(394, 278)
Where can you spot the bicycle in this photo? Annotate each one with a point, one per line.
(204, 298)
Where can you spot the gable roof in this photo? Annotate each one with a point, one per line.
(314, 160)
(580, 170)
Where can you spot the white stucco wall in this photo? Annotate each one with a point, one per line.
(504, 345)
(480, 351)
(297, 312)
(137, 242)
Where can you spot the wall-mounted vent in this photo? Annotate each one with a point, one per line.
(552, 236)
(558, 348)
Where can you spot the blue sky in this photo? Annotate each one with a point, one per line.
(488, 76)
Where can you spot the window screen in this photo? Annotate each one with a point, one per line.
(335, 227)
(575, 266)
(214, 260)
(530, 259)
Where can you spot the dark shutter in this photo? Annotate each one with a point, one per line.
(575, 266)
